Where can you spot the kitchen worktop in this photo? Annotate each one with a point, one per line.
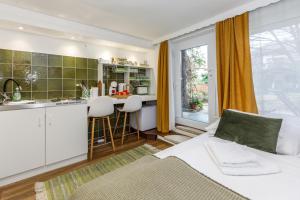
(40, 104)
(143, 97)
(49, 103)
(123, 100)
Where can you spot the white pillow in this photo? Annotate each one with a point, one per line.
(289, 136)
(287, 146)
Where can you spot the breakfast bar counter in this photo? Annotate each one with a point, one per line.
(145, 98)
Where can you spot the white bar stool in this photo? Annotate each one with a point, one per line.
(131, 105)
(101, 107)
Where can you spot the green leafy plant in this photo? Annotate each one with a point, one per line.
(196, 104)
(204, 78)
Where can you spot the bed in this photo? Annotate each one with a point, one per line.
(186, 171)
(284, 185)
(191, 171)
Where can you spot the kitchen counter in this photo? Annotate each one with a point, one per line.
(123, 100)
(49, 103)
(143, 97)
(40, 104)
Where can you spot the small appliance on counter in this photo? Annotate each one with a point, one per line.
(122, 87)
(141, 90)
(113, 88)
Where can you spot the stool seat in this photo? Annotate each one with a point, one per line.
(101, 107)
(133, 104)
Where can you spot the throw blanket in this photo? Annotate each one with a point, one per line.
(150, 178)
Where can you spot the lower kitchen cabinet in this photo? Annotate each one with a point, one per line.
(66, 132)
(22, 141)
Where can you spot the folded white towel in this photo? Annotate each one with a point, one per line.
(231, 153)
(260, 166)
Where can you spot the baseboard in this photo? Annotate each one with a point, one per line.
(40, 170)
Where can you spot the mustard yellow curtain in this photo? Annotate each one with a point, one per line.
(235, 83)
(162, 112)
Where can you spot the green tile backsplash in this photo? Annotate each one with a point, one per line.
(92, 64)
(5, 70)
(21, 71)
(81, 74)
(54, 72)
(69, 84)
(54, 61)
(5, 56)
(39, 59)
(68, 61)
(46, 76)
(41, 71)
(69, 73)
(21, 57)
(81, 63)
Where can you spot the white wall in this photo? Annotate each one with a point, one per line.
(22, 41)
(153, 60)
(17, 40)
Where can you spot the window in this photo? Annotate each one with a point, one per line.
(194, 84)
(275, 49)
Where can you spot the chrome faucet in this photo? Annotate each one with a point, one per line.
(3, 94)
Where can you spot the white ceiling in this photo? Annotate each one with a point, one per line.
(148, 19)
(9, 25)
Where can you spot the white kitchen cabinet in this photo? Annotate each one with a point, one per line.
(22, 141)
(66, 132)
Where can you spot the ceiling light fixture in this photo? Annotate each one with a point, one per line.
(21, 28)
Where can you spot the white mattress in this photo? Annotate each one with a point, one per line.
(284, 185)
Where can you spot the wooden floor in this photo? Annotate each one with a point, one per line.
(24, 190)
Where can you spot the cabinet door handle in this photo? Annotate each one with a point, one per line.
(39, 123)
(49, 120)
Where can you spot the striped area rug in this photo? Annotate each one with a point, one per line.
(61, 187)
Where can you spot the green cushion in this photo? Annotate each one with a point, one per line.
(251, 130)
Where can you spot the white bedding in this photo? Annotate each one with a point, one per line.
(229, 154)
(281, 186)
(262, 167)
